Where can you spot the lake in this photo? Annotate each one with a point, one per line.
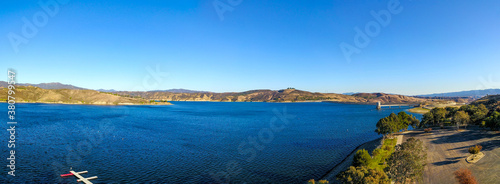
(188, 142)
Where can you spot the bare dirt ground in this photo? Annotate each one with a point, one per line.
(447, 150)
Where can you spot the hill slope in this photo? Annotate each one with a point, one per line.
(490, 101)
(288, 95)
(388, 98)
(52, 85)
(70, 96)
(62, 93)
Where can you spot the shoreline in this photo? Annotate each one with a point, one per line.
(311, 101)
(99, 104)
(418, 110)
(330, 175)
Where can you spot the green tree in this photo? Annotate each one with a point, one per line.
(493, 121)
(405, 120)
(476, 113)
(395, 123)
(376, 177)
(467, 108)
(439, 115)
(434, 117)
(361, 158)
(427, 119)
(450, 111)
(461, 118)
(388, 125)
(479, 114)
(407, 163)
(352, 175)
(362, 175)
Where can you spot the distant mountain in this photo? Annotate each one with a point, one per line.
(471, 93)
(52, 85)
(3, 84)
(264, 95)
(350, 93)
(180, 91)
(168, 90)
(353, 93)
(107, 90)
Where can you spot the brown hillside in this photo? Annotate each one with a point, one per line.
(287, 95)
(388, 98)
(490, 101)
(69, 96)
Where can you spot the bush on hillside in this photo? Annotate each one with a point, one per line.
(407, 162)
(361, 158)
(363, 175)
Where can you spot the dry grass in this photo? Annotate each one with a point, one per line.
(69, 96)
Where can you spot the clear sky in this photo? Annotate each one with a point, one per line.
(427, 46)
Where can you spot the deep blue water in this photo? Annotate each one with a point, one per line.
(188, 142)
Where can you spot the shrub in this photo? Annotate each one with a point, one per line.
(361, 158)
(311, 181)
(407, 162)
(323, 181)
(493, 121)
(387, 148)
(464, 176)
(475, 149)
(376, 152)
(363, 175)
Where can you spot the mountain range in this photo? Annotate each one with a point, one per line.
(56, 85)
(31, 94)
(470, 93)
(265, 95)
(286, 95)
(52, 85)
(180, 91)
(63, 93)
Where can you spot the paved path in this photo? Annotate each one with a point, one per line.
(399, 139)
(447, 150)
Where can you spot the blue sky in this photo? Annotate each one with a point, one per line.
(427, 47)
